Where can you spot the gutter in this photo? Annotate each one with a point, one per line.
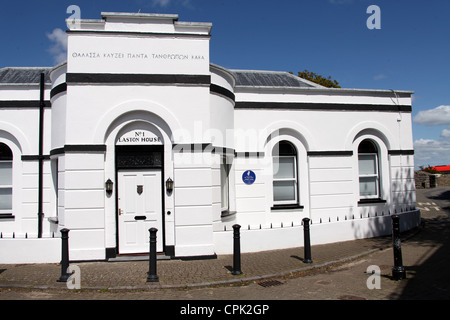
(41, 157)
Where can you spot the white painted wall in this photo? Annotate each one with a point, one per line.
(96, 114)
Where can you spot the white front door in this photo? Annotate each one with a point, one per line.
(140, 208)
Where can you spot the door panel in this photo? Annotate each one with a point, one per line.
(140, 208)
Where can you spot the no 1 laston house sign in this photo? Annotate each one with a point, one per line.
(139, 137)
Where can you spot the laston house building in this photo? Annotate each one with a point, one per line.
(138, 129)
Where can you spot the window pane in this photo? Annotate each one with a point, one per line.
(224, 186)
(5, 198)
(283, 167)
(284, 190)
(5, 152)
(367, 146)
(367, 164)
(368, 186)
(5, 173)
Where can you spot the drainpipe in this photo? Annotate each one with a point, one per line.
(41, 156)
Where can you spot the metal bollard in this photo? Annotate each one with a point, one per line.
(64, 255)
(152, 276)
(307, 242)
(236, 250)
(398, 271)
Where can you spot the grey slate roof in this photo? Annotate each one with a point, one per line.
(24, 75)
(247, 78)
(254, 78)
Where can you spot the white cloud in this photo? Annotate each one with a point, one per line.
(434, 117)
(59, 45)
(445, 134)
(161, 3)
(432, 152)
(165, 3)
(380, 76)
(428, 151)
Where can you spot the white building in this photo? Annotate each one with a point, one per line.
(138, 105)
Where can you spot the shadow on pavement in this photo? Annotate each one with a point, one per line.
(431, 278)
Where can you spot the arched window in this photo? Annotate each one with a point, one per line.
(224, 185)
(285, 178)
(369, 176)
(5, 179)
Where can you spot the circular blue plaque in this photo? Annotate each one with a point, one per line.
(248, 177)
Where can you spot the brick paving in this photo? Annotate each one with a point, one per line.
(337, 271)
(187, 273)
(180, 273)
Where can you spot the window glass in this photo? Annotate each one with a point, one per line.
(368, 170)
(5, 198)
(367, 164)
(5, 178)
(284, 191)
(5, 173)
(284, 167)
(368, 186)
(224, 185)
(285, 174)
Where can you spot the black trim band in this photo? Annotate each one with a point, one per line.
(23, 104)
(401, 152)
(330, 153)
(137, 78)
(58, 89)
(222, 91)
(7, 216)
(223, 151)
(193, 147)
(79, 148)
(321, 106)
(249, 154)
(34, 157)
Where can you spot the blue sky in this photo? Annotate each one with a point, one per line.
(411, 51)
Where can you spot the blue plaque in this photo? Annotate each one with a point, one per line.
(248, 177)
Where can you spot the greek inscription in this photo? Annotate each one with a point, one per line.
(171, 56)
(115, 55)
(85, 55)
(136, 56)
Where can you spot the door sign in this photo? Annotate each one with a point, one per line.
(249, 177)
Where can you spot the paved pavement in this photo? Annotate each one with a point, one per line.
(338, 272)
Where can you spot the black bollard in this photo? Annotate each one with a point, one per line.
(307, 242)
(398, 271)
(236, 250)
(152, 276)
(64, 255)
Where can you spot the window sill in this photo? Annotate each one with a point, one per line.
(227, 213)
(371, 201)
(286, 207)
(53, 220)
(6, 216)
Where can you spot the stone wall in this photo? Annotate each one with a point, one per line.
(427, 180)
(443, 180)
